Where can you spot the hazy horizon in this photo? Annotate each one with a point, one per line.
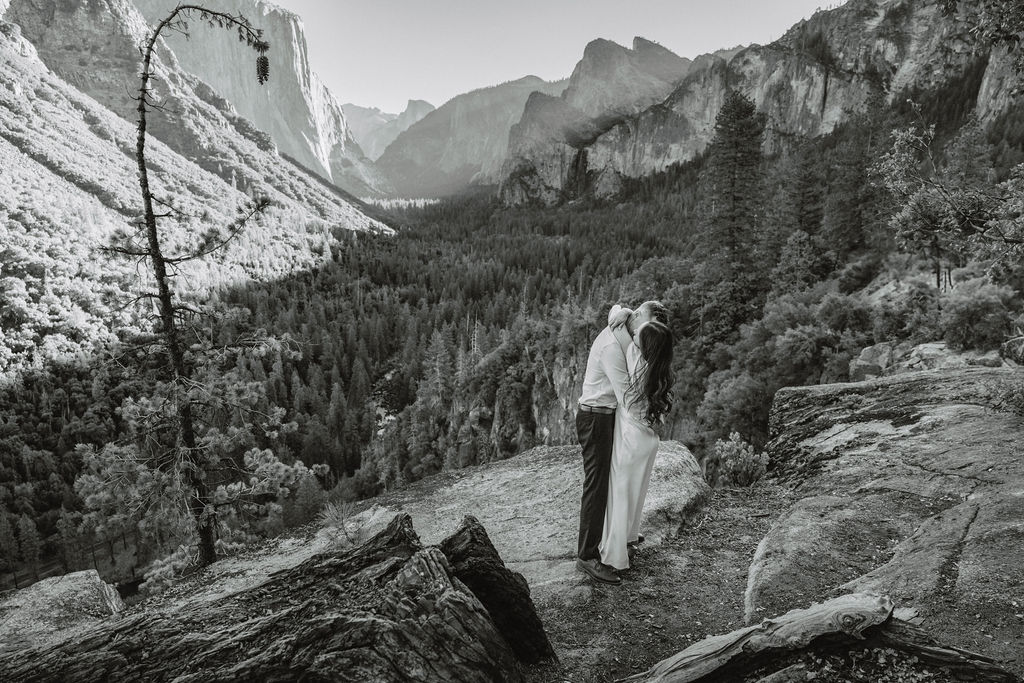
(392, 51)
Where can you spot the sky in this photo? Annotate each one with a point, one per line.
(382, 53)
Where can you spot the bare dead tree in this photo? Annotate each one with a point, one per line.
(150, 249)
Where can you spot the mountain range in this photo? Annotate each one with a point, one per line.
(622, 113)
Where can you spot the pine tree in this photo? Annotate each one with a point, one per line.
(730, 283)
(29, 544)
(734, 181)
(8, 543)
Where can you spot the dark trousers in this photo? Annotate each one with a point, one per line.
(595, 432)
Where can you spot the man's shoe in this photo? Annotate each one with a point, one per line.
(598, 570)
(631, 552)
(638, 541)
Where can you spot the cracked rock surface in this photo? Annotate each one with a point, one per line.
(911, 486)
(529, 505)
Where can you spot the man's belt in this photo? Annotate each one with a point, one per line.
(584, 408)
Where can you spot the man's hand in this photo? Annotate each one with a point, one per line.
(618, 316)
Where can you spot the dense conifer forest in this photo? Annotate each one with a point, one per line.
(459, 340)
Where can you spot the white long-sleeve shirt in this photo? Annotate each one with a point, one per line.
(606, 378)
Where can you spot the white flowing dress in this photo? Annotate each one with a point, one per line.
(635, 445)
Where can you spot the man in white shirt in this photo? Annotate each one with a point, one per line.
(604, 386)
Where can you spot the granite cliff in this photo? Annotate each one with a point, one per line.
(609, 83)
(295, 108)
(820, 72)
(374, 130)
(462, 142)
(93, 46)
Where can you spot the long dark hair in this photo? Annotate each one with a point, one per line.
(655, 381)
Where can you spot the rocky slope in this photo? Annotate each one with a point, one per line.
(295, 108)
(908, 486)
(820, 72)
(69, 182)
(905, 486)
(374, 130)
(534, 532)
(462, 142)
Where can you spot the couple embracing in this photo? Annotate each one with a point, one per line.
(626, 391)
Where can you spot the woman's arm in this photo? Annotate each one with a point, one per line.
(617, 318)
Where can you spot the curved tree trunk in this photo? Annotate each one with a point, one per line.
(855, 620)
(389, 610)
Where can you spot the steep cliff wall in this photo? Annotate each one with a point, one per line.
(93, 45)
(295, 108)
(819, 73)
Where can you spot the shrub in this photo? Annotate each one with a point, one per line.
(335, 519)
(306, 501)
(734, 463)
(975, 315)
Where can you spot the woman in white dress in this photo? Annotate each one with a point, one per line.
(635, 444)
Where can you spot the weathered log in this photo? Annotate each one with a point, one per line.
(855, 620)
(504, 593)
(389, 610)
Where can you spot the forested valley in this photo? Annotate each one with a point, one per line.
(461, 339)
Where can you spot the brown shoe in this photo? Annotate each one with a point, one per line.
(598, 570)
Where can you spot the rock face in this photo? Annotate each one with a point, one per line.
(196, 121)
(609, 83)
(295, 108)
(462, 142)
(822, 71)
(909, 486)
(374, 130)
(389, 610)
(33, 615)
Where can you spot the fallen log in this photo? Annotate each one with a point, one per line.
(389, 610)
(768, 649)
(504, 593)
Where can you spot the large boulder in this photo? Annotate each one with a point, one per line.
(910, 486)
(32, 615)
(1013, 350)
(937, 355)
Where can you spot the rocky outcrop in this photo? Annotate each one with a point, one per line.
(374, 130)
(33, 615)
(535, 531)
(462, 142)
(295, 108)
(908, 486)
(389, 610)
(822, 71)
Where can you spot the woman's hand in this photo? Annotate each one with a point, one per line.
(618, 316)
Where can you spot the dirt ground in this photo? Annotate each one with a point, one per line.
(693, 587)
(676, 594)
